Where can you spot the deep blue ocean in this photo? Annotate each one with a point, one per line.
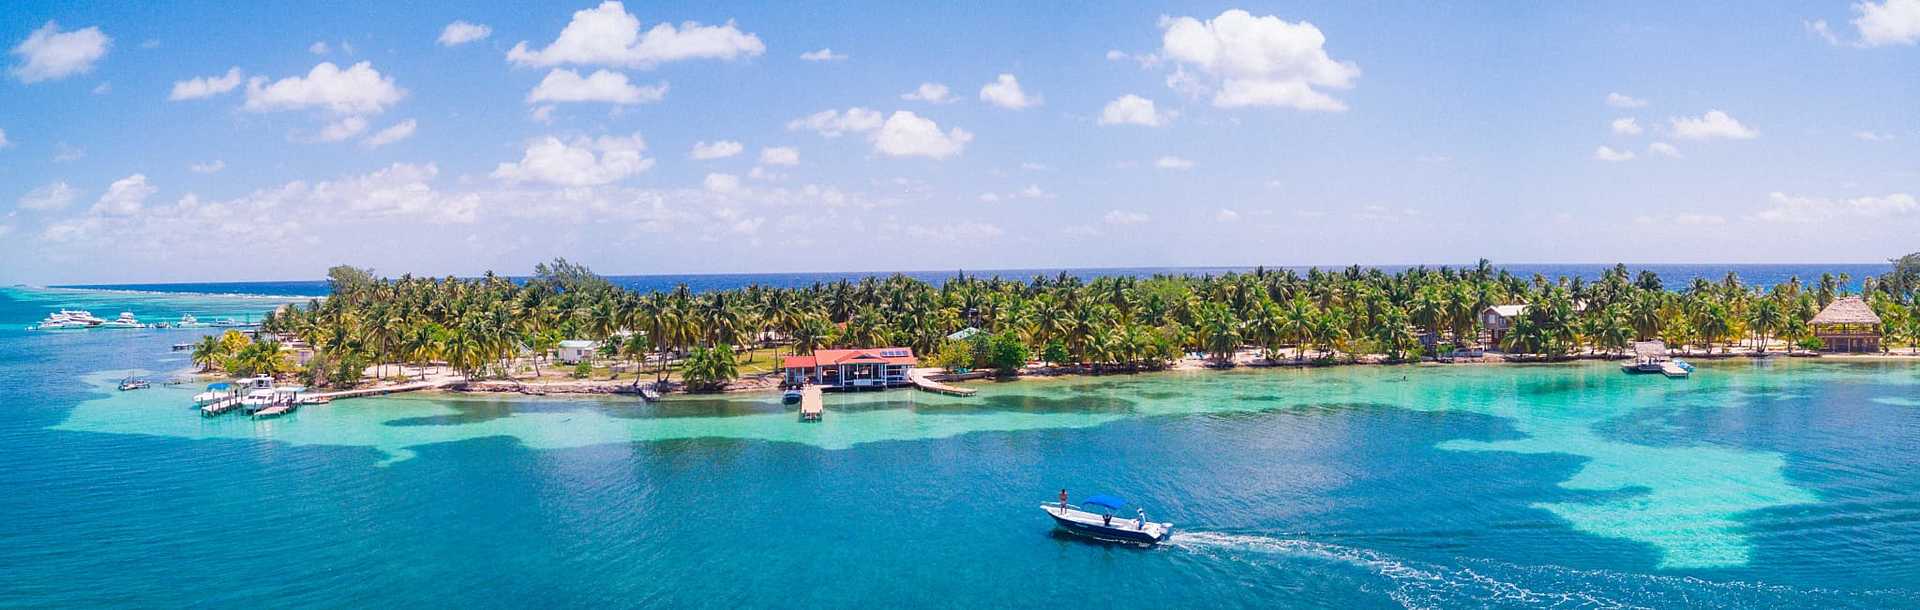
(1673, 275)
(1776, 484)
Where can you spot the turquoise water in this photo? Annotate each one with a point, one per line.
(1774, 484)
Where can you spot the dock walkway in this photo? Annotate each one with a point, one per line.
(811, 404)
(381, 391)
(920, 380)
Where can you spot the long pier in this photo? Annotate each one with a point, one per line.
(381, 391)
(920, 380)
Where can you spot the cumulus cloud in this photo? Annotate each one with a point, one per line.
(906, 134)
(125, 197)
(1663, 149)
(1888, 23)
(563, 85)
(461, 32)
(53, 196)
(721, 149)
(1622, 100)
(3, 139)
(1245, 60)
(780, 155)
(1874, 136)
(1802, 209)
(1123, 217)
(342, 129)
(823, 55)
(608, 35)
(1005, 92)
(933, 93)
(210, 167)
(1625, 126)
(580, 162)
(1132, 109)
(50, 54)
(833, 123)
(1173, 163)
(722, 183)
(319, 47)
(205, 86)
(1608, 154)
(1713, 124)
(359, 89)
(394, 133)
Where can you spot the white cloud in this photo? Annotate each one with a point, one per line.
(209, 167)
(1132, 109)
(1608, 154)
(580, 162)
(1819, 28)
(832, 123)
(1226, 215)
(1116, 55)
(394, 133)
(1173, 163)
(1889, 22)
(1626, 126)
(3, 139)
(541, 114)
(461, 32)
(780, 155)
(1622, 100)
(64, 152)
(720, 149)
(1874, 136)
(342, 129)
(964, 231)
(103, 88)
(1713, 124)
(125, 197)
(609, 35)
(906, 134)
(1033, 191)
(722, 183)
(823, 55)
(1663, 148)
(50, 197)
(359, 89)
(205, 86)
(1122, 217)
(1800, 209)
(563, 85)
(934, 93)
(319, 48)
(989, 197)
(1005, 92)
(50, 54)
(1255, 61)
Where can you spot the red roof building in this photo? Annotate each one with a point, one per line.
(879, 367)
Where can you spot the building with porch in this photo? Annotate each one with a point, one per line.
(1847, 325)
(848, 369)
(1498, 319)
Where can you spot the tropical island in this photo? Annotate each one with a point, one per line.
(565, 327)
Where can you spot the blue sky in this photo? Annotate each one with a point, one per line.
(1277, 133)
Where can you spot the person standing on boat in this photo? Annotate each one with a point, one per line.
(1141, 523)
(1063, 499)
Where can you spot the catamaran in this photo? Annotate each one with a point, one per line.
(1102, 525)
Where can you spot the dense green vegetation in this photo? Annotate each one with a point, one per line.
(487, 326)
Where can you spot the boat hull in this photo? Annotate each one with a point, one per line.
(1121, 530)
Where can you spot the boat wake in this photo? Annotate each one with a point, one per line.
(1495, 584)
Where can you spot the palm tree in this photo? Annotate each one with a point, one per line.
(208, 352)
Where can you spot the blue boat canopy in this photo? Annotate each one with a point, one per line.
(218, 386)
(1105, 501)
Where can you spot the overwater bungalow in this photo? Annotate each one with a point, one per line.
(1847, 325)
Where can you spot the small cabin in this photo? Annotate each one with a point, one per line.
(849, 369)
(1847, 325)
(1498, 319)
(575, 351)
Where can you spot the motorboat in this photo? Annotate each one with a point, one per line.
(126, 320)
(188, 321)
(257, 400)
(134, 383)
(1096, 520)
(64, 320)
(790, 397)
(215, 393)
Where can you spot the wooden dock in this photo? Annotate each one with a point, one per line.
(219, 406)
(318, 397)
(1673, 370)
(920, 380)
(812, 406)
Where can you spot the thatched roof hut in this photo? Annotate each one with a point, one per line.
(1650, 351)
(1847, 325)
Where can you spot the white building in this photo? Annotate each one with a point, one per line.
(576, 351)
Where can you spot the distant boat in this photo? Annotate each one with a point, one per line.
(126, 320)
(134, 383)
(1103, 525)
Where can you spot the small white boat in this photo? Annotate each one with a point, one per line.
(215, 393)
(188, 321)
(257, 400)
(1102, 525)
(134, 383)
(1676, 369)
(790, 397)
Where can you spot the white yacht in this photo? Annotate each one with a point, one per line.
(126, 320)
(188, 321)
(64, 319)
